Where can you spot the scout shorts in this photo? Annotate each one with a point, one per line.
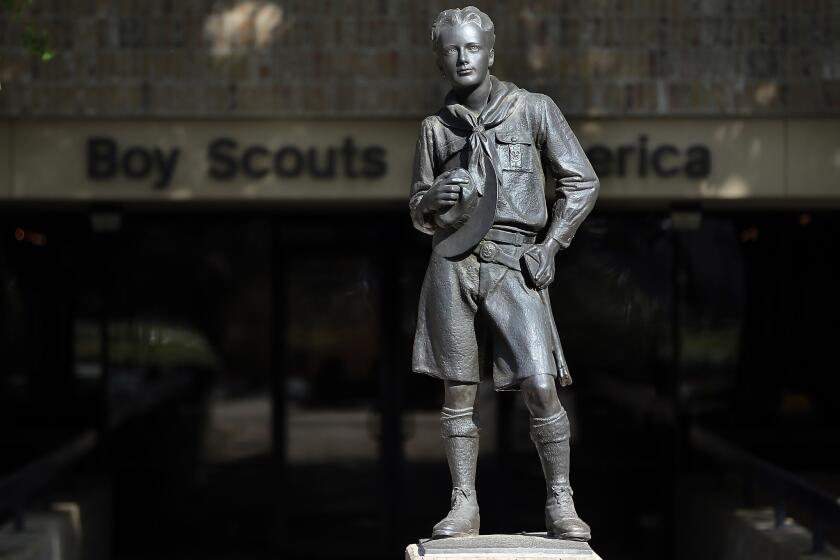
(473, 314)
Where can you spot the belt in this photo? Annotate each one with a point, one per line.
(509, 237)
(489, 252)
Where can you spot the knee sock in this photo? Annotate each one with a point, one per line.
(551, 437)
(459, 429)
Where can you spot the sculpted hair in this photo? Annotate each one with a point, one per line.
(463, 16)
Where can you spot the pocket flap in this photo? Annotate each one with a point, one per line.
(513, 138)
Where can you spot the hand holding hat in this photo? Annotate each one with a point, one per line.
(445, 199)
(456, 196)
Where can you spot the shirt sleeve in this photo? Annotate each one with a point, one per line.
(423, 177)
(576, 185)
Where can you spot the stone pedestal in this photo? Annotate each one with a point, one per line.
(525, 546)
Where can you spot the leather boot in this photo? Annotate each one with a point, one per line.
(463, 519)
(551, 437)
(459, 429)
(561, 519)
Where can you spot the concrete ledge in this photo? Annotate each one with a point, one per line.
(48, 536)
(758, 537)
(26, 545)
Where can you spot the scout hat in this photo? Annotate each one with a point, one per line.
(463, 225)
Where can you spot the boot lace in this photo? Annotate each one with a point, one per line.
(459, 497)
(563, 496)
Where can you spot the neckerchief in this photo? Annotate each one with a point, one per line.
(504, 99)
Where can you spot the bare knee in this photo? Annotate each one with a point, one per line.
(459, 395)
(540, 394)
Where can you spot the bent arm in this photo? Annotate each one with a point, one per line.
(423, 177)
(576, 185)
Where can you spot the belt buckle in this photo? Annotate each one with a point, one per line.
(487, 251)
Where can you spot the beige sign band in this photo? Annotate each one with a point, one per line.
(709, 159)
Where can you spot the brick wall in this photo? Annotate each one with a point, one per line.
(366, 58)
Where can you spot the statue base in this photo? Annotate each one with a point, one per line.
(524, 546)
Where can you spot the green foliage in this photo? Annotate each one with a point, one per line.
(34, 39)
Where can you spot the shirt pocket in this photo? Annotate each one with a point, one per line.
(515, 152)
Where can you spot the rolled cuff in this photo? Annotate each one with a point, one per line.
(417, 217)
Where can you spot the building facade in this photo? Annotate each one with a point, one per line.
(324, 58)
(208, 200)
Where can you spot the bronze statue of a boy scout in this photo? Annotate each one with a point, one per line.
(478, 188)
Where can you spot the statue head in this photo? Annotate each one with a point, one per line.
(463, 41)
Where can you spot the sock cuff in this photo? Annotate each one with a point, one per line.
(549, 419)
(447, 412)
(551, 429)
(459, 423)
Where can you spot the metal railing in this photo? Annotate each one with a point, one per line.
(17, 488)
(785, 486)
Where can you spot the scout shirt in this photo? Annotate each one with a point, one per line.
(534, 141)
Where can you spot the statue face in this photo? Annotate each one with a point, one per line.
(463, 56)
